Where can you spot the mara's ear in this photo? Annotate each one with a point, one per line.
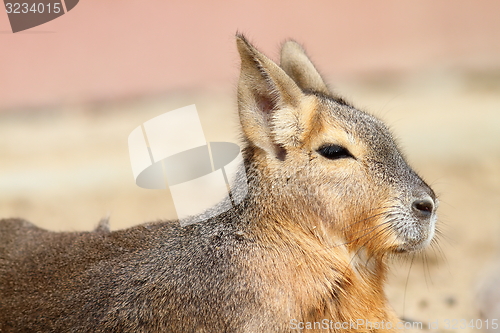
(299, 67)
(268, 102)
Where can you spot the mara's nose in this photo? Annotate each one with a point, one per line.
(423, 207)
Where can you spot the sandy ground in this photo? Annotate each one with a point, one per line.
(65, 168)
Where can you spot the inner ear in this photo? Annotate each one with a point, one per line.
(266, 105)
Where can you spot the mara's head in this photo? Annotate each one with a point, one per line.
(321, 163)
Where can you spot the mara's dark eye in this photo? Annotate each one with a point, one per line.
(334, 152)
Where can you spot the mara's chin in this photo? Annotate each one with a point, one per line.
(414, 240)
(408, 247)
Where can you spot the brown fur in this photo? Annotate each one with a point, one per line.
(308, 243)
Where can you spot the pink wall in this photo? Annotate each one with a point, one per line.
(113, 49)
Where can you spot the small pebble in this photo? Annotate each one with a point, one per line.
(450, 301)
(423, 304)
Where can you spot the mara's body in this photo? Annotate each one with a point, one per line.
(329, 196)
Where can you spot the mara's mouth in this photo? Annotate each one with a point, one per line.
(414, 233)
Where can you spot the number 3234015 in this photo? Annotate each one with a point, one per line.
(24, 8)
(454, 324)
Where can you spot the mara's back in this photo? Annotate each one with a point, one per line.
(329, 197)
(150, 278)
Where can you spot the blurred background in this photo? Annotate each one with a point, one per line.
(72, 90)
